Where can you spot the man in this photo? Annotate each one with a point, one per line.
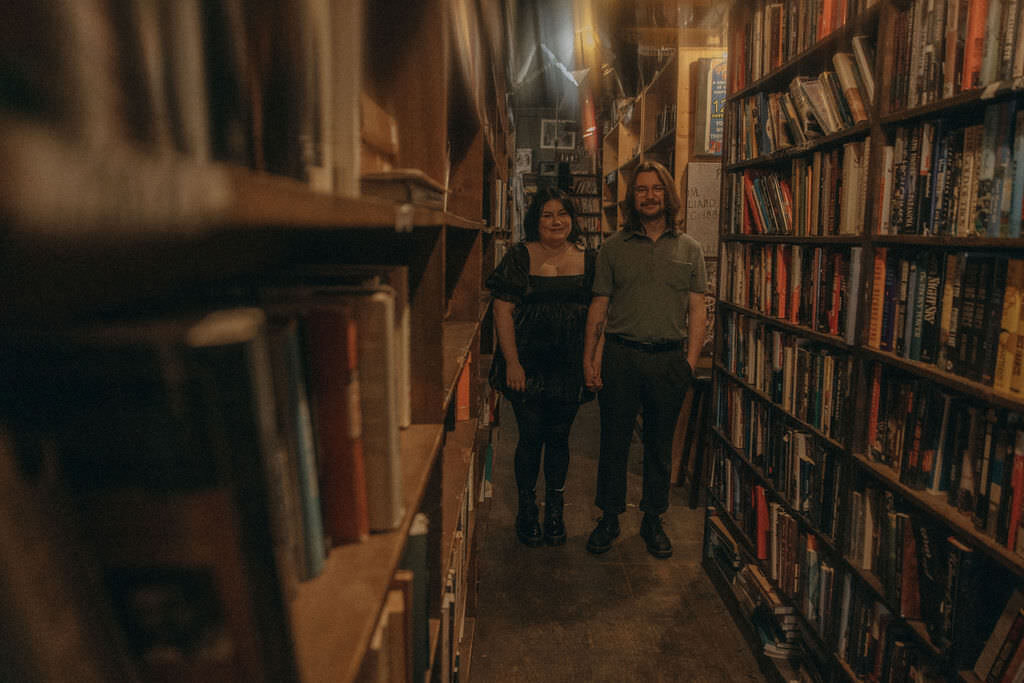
(648, 293)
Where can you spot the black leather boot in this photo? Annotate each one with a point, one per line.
(554, 525)
(601, 537)
(655, 537)
(528, 520)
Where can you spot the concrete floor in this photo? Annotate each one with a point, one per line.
(562, 614)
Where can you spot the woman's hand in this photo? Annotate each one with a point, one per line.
(515, 377)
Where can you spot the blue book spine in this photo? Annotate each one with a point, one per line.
(309, 486)
(1017, 201)
(1002, 173)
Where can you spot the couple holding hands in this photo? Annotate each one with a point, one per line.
(573, 322)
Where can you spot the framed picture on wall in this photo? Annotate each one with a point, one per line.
(548, 167)
(557, 134)
(524, 160)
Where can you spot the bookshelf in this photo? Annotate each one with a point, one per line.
(865, 416)
(213, 168)
(658, 124)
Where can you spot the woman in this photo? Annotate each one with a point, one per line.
(542, 291)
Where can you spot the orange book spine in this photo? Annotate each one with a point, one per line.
(974, 44)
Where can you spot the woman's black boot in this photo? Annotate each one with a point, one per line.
(554, 525)
(527, 521)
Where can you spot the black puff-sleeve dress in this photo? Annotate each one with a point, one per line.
(550, 318)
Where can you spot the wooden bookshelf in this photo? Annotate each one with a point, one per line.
(115, 209)
(905, 103)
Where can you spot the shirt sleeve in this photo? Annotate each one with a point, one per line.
(510, 279)
(603, 280)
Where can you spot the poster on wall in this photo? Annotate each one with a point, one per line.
(703, 188)
(524, 160)
(709, 116)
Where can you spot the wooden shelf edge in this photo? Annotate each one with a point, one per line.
(832, 240)
(800, 330)
(356, 577)
(457, 339)
(856, 131)
(959, 523)
(170, 195)
(954, 382)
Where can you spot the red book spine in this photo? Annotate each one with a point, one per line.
(334, 378)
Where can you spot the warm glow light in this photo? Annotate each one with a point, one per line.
(587, 37)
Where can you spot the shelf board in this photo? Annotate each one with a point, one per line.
(58, 189)
(830, 240)
(664, 143)
(765, 398)
(960, 523)
(959, 103)
(830, 339)
(948, 241)
(955, 382)
(457, 338)
(356, 578)
(785, 154)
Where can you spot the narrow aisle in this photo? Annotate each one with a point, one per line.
(562, 614)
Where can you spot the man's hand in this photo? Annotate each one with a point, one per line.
(515, 376)
(592, 376)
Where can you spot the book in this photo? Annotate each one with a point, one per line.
(293, 406)
(850, 80)
(864, 54)
(332, 342)
(414, 559)
(347, 32)
(48, 599)
(1002, 641)
(165, 435)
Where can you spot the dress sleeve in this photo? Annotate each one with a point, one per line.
(510, 279)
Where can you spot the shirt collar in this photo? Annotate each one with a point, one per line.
(636, 231)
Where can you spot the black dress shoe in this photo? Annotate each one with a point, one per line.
(601, 537)
(652, 533)
(528, 531)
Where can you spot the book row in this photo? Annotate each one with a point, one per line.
(823, 193)
(837, 607)
(934, 441)
(810, 382)
(944, 47)
(957, 310)
(891, 566)
(814, 287)
(943, 178)
(586, 204)
(779, 31)
(312, 389)
(803, 470)
(829, 103)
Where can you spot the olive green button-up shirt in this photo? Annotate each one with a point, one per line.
(649, 283)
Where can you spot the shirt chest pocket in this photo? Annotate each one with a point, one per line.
(675, 273)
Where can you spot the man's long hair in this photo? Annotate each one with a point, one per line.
(673, 205)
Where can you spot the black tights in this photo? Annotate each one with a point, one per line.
(542, 423)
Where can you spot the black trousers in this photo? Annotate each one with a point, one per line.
(634, 379)
(543, 425)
